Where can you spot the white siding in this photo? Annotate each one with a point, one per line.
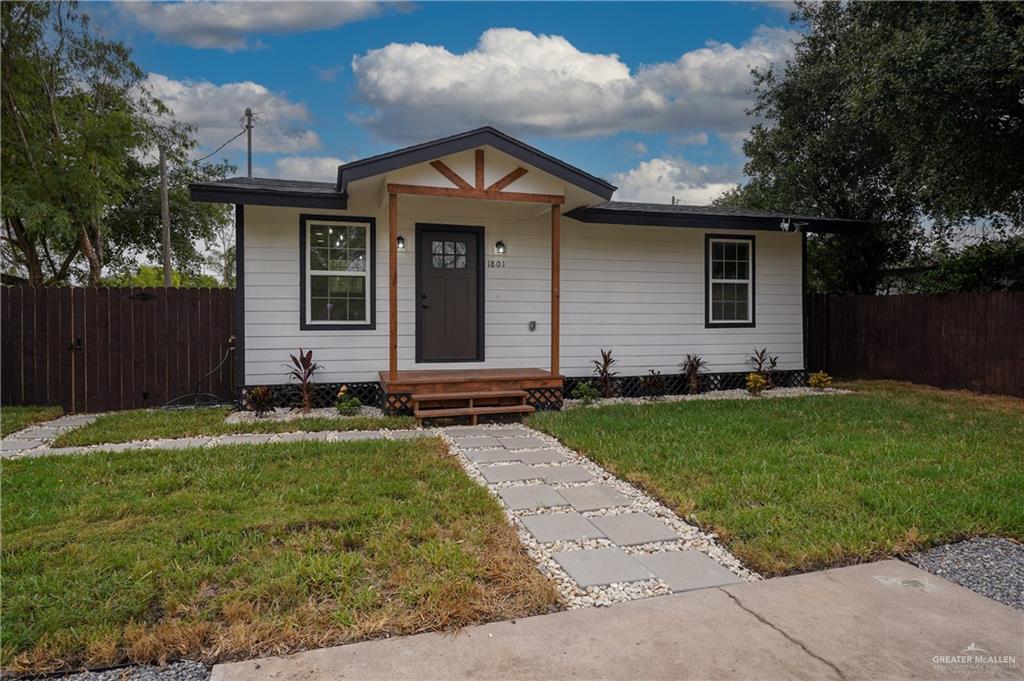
(637, 290)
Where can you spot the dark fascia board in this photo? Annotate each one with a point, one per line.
(711, 221)
(430, 151)
(213, 193)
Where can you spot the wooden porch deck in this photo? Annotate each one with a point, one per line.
(469, 390)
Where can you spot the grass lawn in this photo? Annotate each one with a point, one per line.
(125, 426)
(802, 483)
(13, 419)
(241, 550)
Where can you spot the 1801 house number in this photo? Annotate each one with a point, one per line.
(496, 264)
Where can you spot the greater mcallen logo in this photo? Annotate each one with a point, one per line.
(974, 657)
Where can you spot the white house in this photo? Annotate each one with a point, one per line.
(479, 264)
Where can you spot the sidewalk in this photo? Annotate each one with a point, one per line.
(885, 620)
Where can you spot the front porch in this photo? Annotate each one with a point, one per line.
(450, 393)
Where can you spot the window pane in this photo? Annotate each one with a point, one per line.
(716, 312)
(460, 262)
(356, 309)
(741, 310)
(436, 246)
(449, 261)
(717, 269)
(717, 252)
(318, 312)
(741, 270)
(730, 270)
(318, 236)
(460, 248)
(449, 248)
(729, 251)
(741, 251)
(318, 286)
(438, 261)
(318, 259)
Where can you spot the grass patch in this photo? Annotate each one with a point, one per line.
(13, 419)
(143, 424)
(240, 551)
(802, 483)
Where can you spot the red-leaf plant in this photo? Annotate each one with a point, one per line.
(603, 369)
(302, 370)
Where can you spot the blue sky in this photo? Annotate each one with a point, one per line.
(647, 95)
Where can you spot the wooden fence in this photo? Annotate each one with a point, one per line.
(973, 341)
(98, 349)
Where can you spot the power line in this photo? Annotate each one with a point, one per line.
(240, 133)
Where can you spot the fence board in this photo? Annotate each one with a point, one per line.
(973, 341)
(113, 348)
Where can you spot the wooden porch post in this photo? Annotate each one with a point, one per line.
(556, 245)
(393, 286)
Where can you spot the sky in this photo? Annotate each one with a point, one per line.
(650, 96)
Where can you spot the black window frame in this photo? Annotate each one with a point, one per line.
(371, 283)
(708, 322)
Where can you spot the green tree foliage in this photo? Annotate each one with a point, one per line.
(996, 265)
(153, 276)
(79, 139)
(902, 114)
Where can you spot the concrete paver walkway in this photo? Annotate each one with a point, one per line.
(36, 438)
(601, 539)
(885, 620)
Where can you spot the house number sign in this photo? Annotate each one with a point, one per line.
(496, 263)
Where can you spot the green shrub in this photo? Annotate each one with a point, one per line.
(756, 383)
(819, 380)
(585, 392)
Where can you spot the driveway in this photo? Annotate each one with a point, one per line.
(885, 620)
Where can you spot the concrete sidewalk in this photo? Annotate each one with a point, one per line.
(885, 620)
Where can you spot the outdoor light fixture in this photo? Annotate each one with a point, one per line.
(499, 247)
(401, 243)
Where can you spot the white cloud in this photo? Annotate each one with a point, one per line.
(638, 148)
(542, 84)
(215, 111)
(317, 168)
(227, 25)
(659, 179)
(692, 138)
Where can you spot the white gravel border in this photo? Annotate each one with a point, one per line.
(735, 394)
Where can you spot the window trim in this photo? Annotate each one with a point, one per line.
(305, 324)
(708, 322)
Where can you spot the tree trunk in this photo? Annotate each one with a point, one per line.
(92, 256)
(26, 248)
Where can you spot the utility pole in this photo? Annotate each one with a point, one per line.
(248, 137)
(165, 218)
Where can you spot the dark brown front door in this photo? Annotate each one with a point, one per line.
(449, 293)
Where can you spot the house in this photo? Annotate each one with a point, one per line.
(477, 263)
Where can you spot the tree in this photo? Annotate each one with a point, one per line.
(79, 136)
(152, 276)
(909, 116)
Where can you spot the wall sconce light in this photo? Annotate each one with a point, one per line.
(401, 243)
(499, 248)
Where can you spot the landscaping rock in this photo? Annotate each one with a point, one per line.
(992, 566)
(177, 671)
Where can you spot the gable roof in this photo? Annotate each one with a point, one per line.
(709, 217)
(446, 146)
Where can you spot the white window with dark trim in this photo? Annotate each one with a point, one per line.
(730, 284)
(338, 273)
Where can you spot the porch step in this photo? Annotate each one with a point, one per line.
(437, 397)
(473, 411)
(434, 404)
